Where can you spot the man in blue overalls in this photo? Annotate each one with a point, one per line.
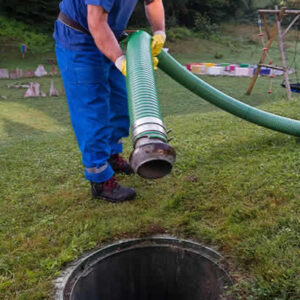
(93, 67)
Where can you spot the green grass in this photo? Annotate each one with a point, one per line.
(234, 187)
(262, 3)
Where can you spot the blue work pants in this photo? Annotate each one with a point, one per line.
(97, 99)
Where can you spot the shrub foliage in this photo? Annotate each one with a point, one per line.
(25, 34)
(42, 13)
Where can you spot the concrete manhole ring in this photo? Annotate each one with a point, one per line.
(156, 268)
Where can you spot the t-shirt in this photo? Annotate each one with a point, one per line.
(119, 13)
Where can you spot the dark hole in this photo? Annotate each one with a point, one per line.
(161, 272)
(154, 169)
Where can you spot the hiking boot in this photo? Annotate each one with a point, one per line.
(112, 191)
(119, 164)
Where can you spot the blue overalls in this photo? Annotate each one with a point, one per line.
(95, 88)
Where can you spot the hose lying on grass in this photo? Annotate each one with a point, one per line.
(180, 74)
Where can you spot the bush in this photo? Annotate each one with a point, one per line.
(204, 26)
(25, 34)
(179, 33)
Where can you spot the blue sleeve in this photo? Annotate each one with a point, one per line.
(106, 4)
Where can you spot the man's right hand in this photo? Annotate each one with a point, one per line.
(120, 63)
(102, 33)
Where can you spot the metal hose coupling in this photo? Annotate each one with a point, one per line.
(152, 156)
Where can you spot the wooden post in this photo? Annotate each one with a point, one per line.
(291, 25)
(264, 54)
(272, 11)
(262, 59)
(266, 26)
(283, 58)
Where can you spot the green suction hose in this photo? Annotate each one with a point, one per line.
(152, 156)
(144, 106)
(180, 74)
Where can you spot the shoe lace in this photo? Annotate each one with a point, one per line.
(111, 184)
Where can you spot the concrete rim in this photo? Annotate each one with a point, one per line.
(68, 278)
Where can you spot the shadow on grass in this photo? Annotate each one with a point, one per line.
(13, 129)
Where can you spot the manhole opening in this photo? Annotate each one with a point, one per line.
(147, 269)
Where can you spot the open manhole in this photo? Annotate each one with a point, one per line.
(159, 268)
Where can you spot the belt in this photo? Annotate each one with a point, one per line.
(74, 25)
(71, 23)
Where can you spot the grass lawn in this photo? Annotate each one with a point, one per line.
(235, 186)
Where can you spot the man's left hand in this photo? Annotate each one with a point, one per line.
(158, 41)
(155, 63)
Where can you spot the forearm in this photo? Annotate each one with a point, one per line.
(106, 42)
(156, 15)
(103, 36)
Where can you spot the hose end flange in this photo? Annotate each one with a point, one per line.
(152, 158)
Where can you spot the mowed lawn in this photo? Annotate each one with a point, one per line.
(234, 187)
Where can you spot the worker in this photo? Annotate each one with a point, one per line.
(93, 66)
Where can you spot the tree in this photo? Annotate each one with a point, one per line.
(42, 13)
(33, 12)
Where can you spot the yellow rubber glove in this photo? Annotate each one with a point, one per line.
(155, 63)
(120, 63)
(158, 41)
